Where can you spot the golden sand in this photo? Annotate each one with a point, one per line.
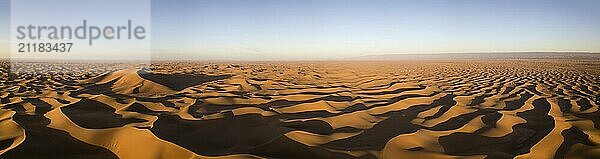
(427, 109)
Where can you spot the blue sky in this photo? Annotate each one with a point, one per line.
(4, 27)
(324, 29)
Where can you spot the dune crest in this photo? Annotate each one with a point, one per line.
(350, 109)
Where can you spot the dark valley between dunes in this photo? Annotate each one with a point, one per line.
(487, 108)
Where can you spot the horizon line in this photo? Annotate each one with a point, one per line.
(354, 58)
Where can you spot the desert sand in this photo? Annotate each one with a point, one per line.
(327, 109)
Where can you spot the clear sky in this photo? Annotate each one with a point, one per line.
(4, 27)
(325, 29)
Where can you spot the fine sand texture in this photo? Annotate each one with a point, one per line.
(516, 108)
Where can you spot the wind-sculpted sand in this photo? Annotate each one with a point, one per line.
(428, 109)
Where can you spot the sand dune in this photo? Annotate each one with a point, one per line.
(354, 109)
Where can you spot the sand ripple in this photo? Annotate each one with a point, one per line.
(435, 109)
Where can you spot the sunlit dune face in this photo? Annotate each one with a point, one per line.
(428, 109)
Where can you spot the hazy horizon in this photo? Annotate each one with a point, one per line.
(304, 30)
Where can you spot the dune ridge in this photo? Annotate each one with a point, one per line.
(344, 109)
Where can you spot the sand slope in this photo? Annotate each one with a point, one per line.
(433, 109)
